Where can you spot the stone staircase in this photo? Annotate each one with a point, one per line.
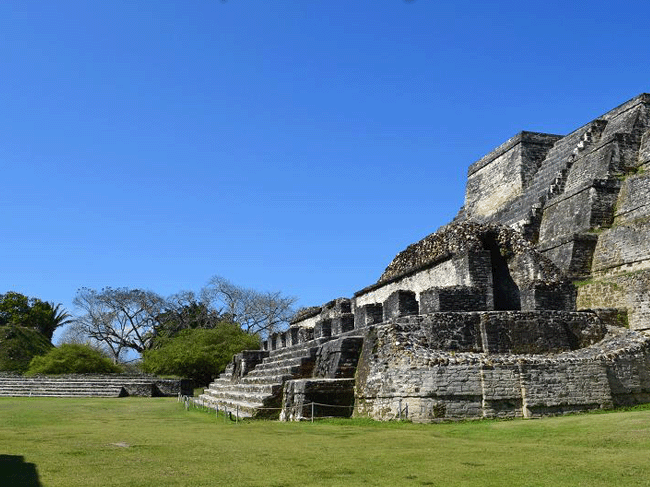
(259, 393)
(556, 175)
(85, 386)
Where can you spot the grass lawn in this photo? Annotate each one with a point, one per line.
(155, 442)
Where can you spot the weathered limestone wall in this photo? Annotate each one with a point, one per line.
(321, 397)
(397, 369)
(337, 359)
(585, 203)
(622, 248)
(501, 176)
(629, 291)
(534, 332)
(581, 210)
(307, 319)
(629, 375)
(620, 270)
(633, 205)
(456, 271)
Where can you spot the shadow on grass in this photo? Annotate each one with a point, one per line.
(16, 473)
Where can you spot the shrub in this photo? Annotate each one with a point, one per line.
(198, 354)
(19, 345)
(72, 359)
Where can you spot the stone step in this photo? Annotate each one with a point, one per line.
(62, 381)
(295, 370)
(240, 396)
(246, 409)
(220, 381)
(259, 393)
(247, 387)
(113, 392)
(110, 386)
(55, 382)
(269, 379)
(288, 362)
(312, 344)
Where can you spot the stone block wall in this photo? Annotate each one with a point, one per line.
(396, 374)
(586, 208)
(368, 314)
(321, 397)
(337, 359)
(611, 157)
(629, 291)
(400, 303)
(633, 204)
(522, 332)
(458, 332)
(622, 247)
(501, 176)
(573, 253)
(629, 376)
(644, 150)
(628, 117)
(540, 296)
(453, 298)
(560, 387)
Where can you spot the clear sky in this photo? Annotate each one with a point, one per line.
(283, 144)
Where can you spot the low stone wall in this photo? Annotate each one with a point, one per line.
(502, 331)
(91, 384)
(318, 398)
(397, 376)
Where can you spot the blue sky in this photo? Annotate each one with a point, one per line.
(283, 144)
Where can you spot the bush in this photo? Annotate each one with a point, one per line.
(19, 345)
(198, 354)
(72, 359)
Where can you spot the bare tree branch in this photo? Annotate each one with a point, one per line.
(120, 318)
(256, 312)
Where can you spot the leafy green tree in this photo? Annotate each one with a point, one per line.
(19, 310)
(183, 311)
(199, 354)
(72, 359)
(57, 318)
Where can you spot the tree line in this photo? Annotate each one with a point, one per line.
(122, 319)
(19, 310)
(187, 334)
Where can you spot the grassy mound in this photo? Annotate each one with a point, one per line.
(18, 346)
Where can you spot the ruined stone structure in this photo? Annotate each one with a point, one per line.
(91, 385)
(533, 301)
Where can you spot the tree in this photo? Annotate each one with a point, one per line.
(56, 318)
(19, 310)
(120, 318)
(72, 359)
(184, 311)
(256, 312)
(199, 354)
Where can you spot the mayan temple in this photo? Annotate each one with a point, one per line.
(534, 301)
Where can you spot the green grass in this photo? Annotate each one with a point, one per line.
(155, 442)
